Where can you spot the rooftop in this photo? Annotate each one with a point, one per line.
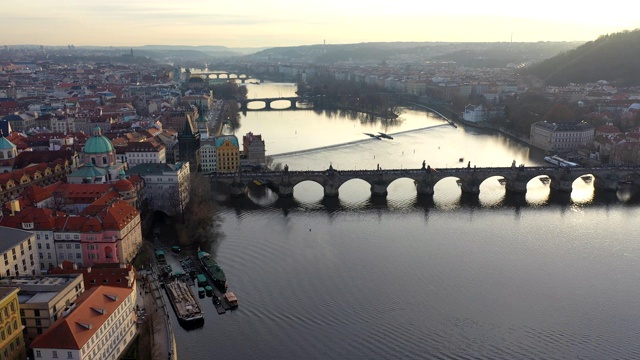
(12, 237)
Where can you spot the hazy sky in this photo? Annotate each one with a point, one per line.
(269, 23)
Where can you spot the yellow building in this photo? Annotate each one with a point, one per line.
(227, 154)
(11, 339)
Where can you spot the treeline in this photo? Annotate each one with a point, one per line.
(611, 57)
(329, 93)
(229, 90)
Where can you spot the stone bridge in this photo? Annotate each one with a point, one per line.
(223, 75)
(293, 102)
(515, 179)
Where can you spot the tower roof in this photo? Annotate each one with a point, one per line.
(98, 143)
(5, 143)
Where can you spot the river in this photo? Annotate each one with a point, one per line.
(404, 278)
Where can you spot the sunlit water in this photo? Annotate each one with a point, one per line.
(549, 276)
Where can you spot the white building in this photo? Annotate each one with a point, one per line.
(166, 185)
(145, 152)
(208, 156)
(17, 252)
(100, 326)
(474, 114)
(560, 136)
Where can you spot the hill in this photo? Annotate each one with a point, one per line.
(611, 57)
(498, 54)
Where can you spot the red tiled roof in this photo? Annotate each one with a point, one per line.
(73, 331)
(42, 219)
(99, 274)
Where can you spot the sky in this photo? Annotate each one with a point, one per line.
(274, 23)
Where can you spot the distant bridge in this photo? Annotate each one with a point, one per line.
(224, 75)
(293, 102)
(515, 179)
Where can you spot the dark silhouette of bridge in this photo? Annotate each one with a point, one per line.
(515, 179)
(293, 102)
(224, 75)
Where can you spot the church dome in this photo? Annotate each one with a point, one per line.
(124, 185)
(98, 144)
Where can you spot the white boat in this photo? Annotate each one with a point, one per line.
(557, 160)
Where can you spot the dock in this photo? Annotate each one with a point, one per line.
(222, 305)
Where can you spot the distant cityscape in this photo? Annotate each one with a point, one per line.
(91, 148)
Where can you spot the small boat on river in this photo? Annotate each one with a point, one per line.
(232, 299)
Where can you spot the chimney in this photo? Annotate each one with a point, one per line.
(14, 206)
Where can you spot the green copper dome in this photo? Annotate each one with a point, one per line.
(98, 144)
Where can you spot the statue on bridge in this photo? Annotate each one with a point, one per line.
(286, 168)
(424, 163)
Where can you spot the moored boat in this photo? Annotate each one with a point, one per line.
(213, 269)
(185, 305)
(232, 299)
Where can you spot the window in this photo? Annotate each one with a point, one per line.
(47, 246)
(39, 246)
(38, 353)
(69, 355)
(55, 354)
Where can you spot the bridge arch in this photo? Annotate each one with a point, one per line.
(308, 190)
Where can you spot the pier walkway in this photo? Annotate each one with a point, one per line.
(150, 299)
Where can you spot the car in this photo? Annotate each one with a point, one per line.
(176, 249)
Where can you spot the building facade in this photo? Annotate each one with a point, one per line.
(227, 154)
(17, 252)
(208, 156)
(102, 233)
(145, 152)
(254, 149)
(43, 299)
(560, 137)
(100, 326)
(12, 344)
(167, 186)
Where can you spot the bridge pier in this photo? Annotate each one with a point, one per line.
(285, 190)
(562, 185)
(424, 187)
(516, 185)
(609, 182)
(379, 189)
(470, 188)
(236, 190)
(331, 191)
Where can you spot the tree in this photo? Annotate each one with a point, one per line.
(199, 223)
(560, 113)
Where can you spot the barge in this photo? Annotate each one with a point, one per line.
(185, 305)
